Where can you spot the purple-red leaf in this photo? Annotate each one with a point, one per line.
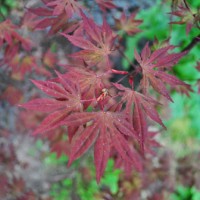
(153, 66)
(106, 129)
(67, 98)
(97, 45)
(44, 105)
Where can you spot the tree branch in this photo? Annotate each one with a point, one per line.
(194, 41)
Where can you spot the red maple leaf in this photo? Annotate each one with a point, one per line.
(107, 130)
(55, 22)
(9, 36)
(153, 66)
(151, 142)
(98, 44)
(29, 21)
(186, 17)
(91, 83)
(137, 106)
(67, 98)
(68, 6)
(105, 4)
(128, 24)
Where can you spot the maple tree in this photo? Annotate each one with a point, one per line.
(108, 124)
(188, 17)
(94, 109)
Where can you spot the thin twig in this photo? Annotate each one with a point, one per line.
(186, 5)
(194, 42)
(124, 55)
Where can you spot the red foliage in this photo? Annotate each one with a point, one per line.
(187, 16)
(98, 44)
(128, 24)
(67, 99)
(106, 135)
(105, 4)
(68, 6)
(11, 41)
(57, 14)
(118, 121)
(94, 108)
(9, 36)
(159, 60)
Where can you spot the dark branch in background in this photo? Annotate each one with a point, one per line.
(195, 41)
(186, 4)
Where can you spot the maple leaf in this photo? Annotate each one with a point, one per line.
(106, 129)
(153, 66)
(68, 6)
(22, 64)
(29, 21)
(151, 143)
(105, 4)
(187, 17)
(91, 83)
(11, 41)
(67, 98)
(121, 163)
(183, 89)
(137, 107)
(128, 24)
(7, 32)
(157, 44)
(98, 44)
(9, 36)
(56, 23)
(28, 121)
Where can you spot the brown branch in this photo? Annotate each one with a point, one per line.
(186, 5)
(126, 57)
(194, 41)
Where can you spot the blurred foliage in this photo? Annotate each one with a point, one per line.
(185, 193)
(183, 124)
(83, 183)
(156, 23)
(185, 109)
(89, 190)
(6, 6)
(61, 191)
(194, 4)
(52, 159)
